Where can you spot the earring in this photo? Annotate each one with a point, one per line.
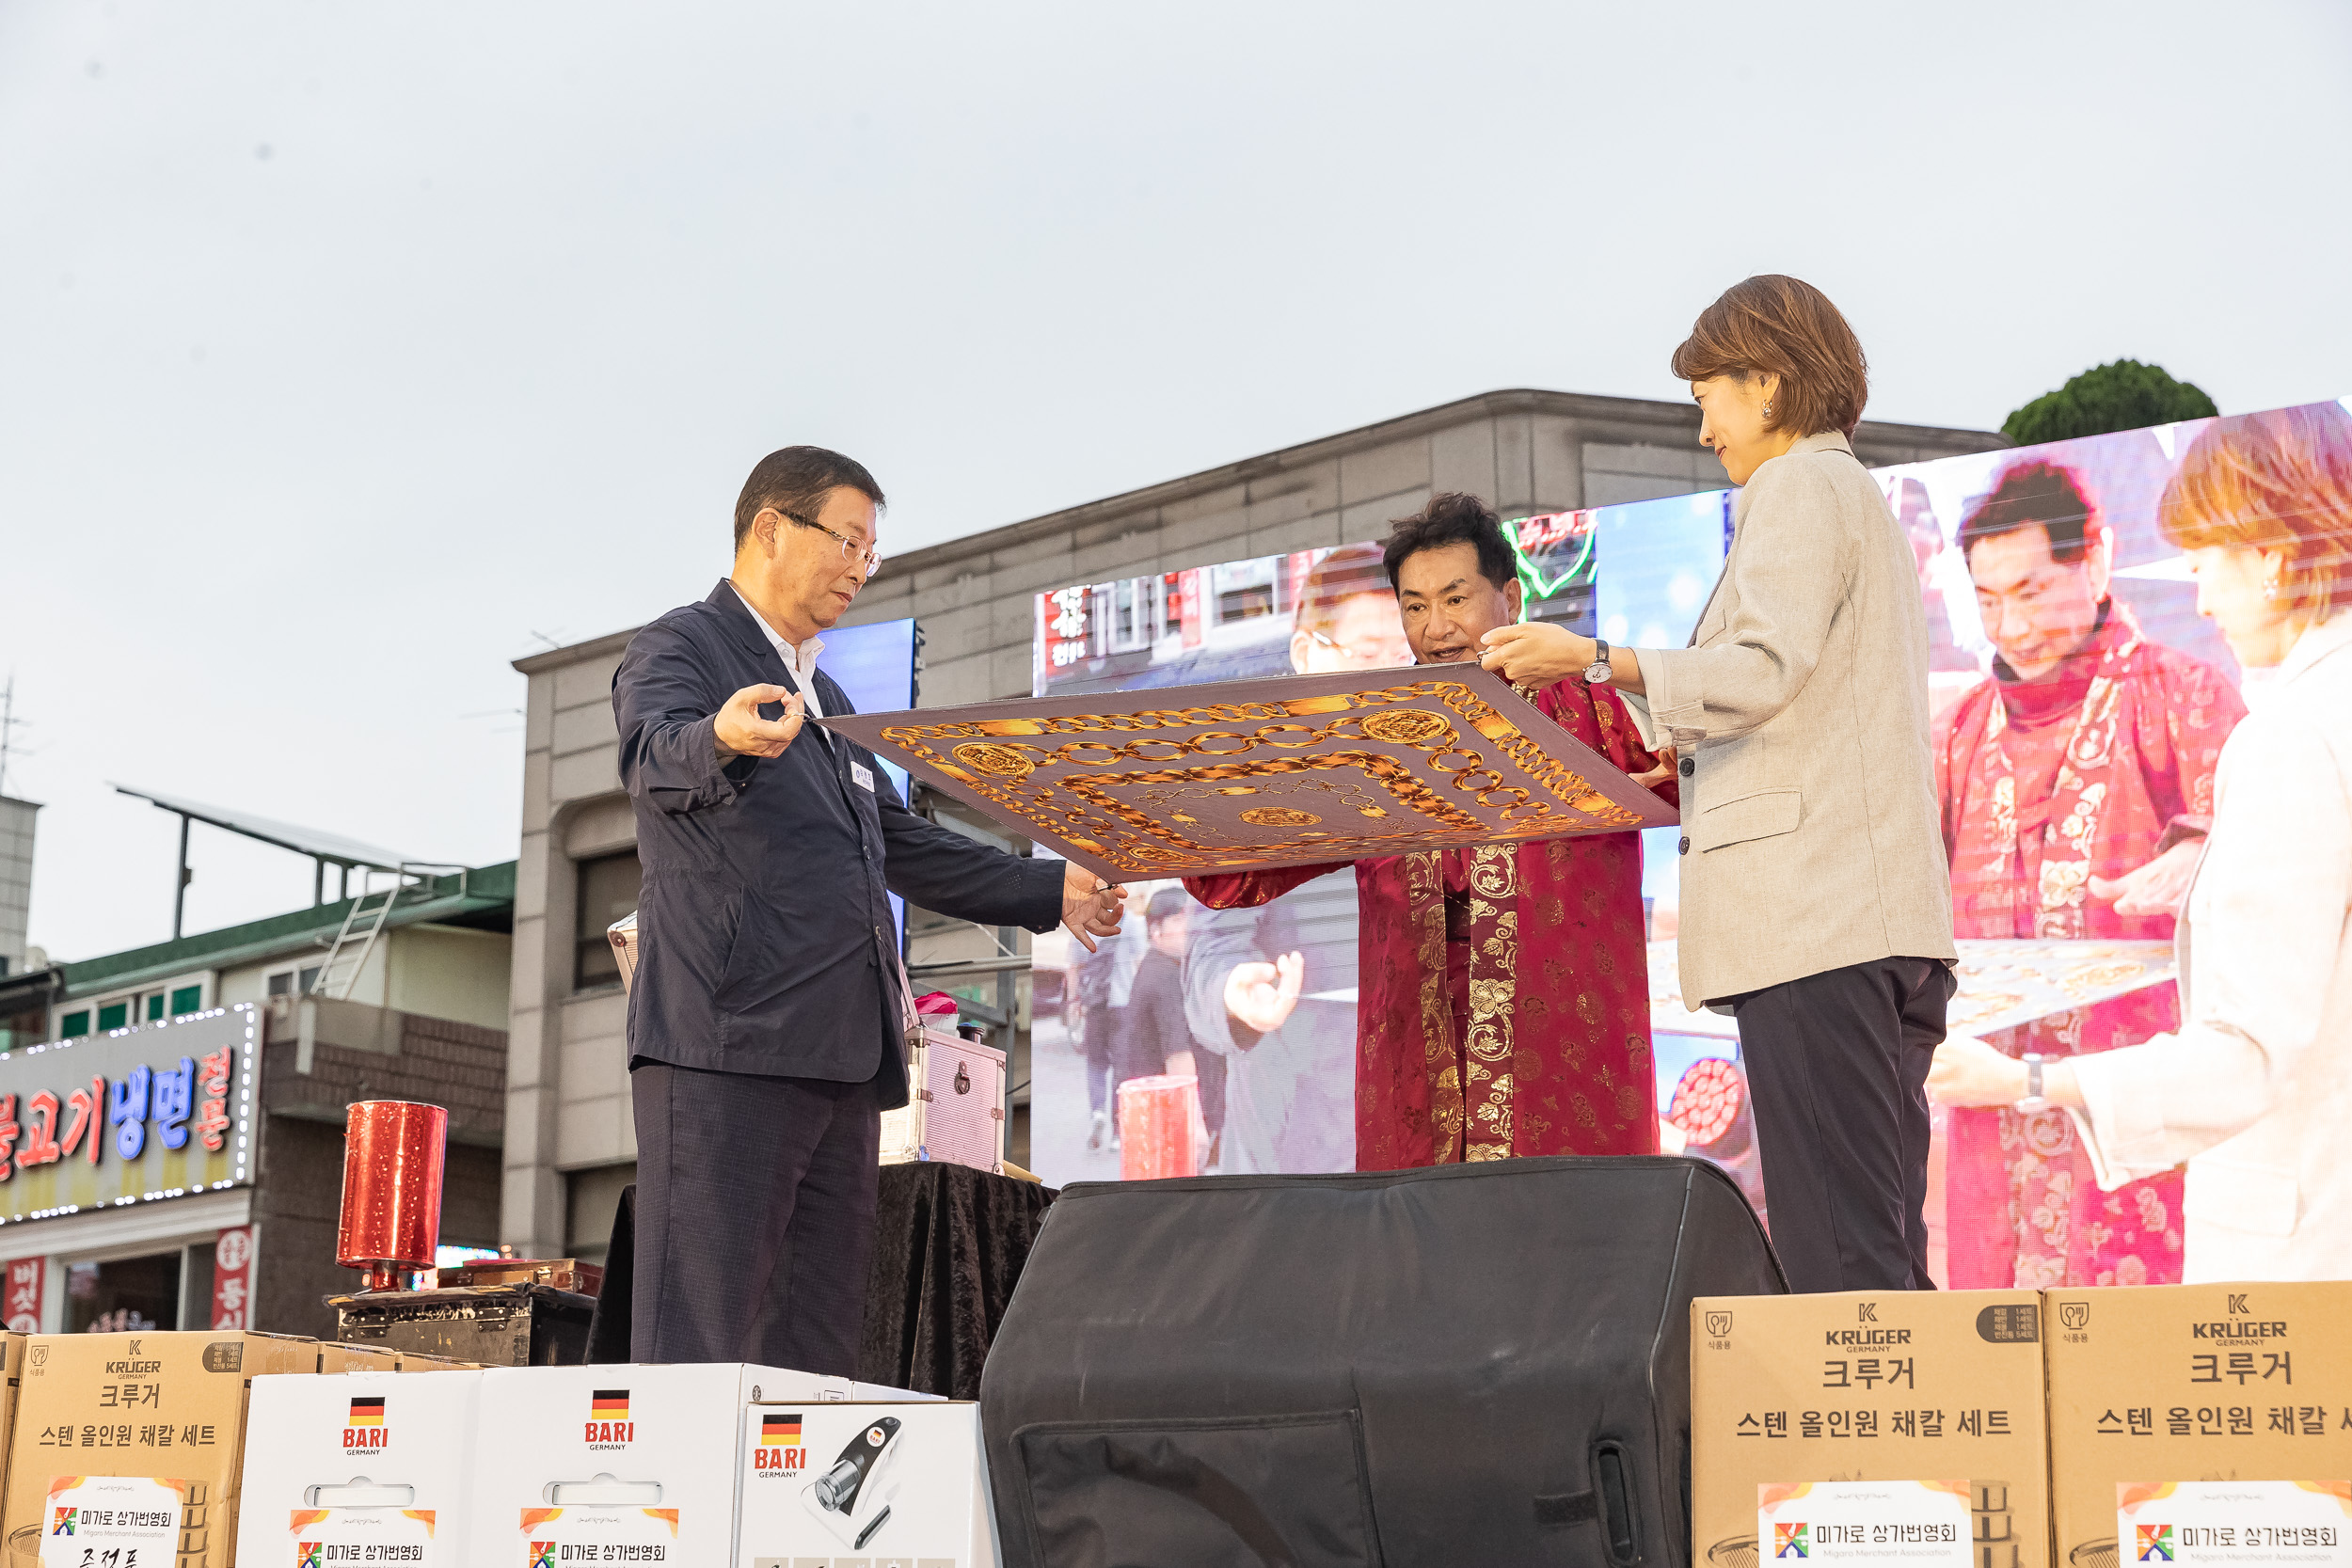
(1768, 411)
(2270, 588)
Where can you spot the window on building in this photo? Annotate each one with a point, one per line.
(196, 1284)
(113, 1015)
(124, 1295)
(75, 1026)
(187, 999)
(29, 1027)
(608, 886)
(154, 1008)
(294, 982)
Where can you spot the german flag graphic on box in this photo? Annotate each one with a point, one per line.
(368, 1413)
(608, 1418)
(779, 1451)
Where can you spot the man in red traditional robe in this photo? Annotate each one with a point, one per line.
(1503, 991)
(2077, 785)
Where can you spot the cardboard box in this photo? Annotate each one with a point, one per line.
(335, 1357)
(148, 1428)
(2188, 1384)
(11, 1369)
(622, 1458)
(417, 1361)
(366, 1467)
(892, 1485)
(1919, 1389)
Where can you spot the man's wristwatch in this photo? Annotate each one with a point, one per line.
(1597, 673)
(2033, 1101)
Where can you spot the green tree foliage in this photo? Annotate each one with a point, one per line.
(2125, 395)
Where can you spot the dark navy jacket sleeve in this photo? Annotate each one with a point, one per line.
(666, 704)
(765, 943)
(939, 869)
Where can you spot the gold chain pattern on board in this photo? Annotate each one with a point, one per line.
(1001, 758)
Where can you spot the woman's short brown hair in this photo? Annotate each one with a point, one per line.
(1784, 326)
(2278, 480)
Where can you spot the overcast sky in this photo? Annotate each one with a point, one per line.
(347, 352)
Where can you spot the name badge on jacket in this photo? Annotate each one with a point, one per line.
(862, 775)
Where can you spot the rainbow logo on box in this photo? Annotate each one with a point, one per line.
(2155, 1543)
(1791, 1541)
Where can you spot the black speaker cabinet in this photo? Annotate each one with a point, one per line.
(1423, 1368)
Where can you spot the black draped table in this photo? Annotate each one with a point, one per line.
(949, 1243)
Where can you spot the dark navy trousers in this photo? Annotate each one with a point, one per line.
(754, 1217)
(1837, 1065)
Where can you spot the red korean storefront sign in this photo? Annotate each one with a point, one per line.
(134, 1115)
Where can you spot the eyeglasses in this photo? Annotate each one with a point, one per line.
(872, 559)
(1371, 655)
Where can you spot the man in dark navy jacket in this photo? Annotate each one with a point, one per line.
(766, 1016)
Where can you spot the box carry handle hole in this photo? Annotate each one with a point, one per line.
(605, 1491)
(360, 1493)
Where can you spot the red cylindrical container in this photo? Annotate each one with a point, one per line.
(392, 1155)
(1155, 1117)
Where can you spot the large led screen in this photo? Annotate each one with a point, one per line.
(875, 664)
(2080, 702)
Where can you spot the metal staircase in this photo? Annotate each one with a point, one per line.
(364, 923)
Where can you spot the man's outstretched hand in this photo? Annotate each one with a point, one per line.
(1090, 906)
(742, 732)
(1261, 995)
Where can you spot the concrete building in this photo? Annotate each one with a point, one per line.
(16, 880)
(570, 1145)
(1527, 451)
(422, 1017)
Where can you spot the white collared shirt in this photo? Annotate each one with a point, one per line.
(801, 660)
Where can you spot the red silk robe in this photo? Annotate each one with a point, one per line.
(1504, 992)
(2045, 786)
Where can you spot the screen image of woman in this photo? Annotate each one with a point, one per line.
(2256, 1087)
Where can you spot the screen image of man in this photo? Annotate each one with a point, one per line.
(1155, 1039)
(768, 1009)
(1504, 1000)
(1105, 976)
(2076, 785)
(1139, 1023)
(1277, 1055)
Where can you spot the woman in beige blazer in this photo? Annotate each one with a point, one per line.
(1814, 904)
(2254, 1090)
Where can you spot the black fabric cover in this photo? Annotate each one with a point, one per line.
(949, 1243)
(608, 1328)
(1485, 1362)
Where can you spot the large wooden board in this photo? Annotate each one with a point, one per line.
(1287, 770)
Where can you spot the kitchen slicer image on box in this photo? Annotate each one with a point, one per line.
(853, 1498)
